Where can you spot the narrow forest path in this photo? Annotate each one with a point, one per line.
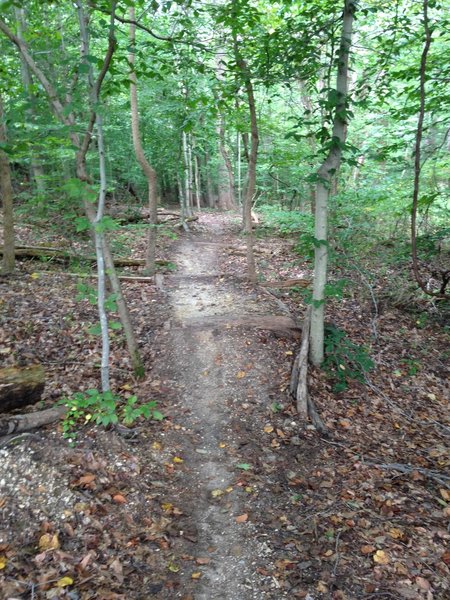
(215, 371)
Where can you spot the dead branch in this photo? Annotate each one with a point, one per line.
(64, 256)
(19, 423)
(408, 469)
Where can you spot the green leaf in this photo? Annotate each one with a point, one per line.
(95, 329)
(244, 466)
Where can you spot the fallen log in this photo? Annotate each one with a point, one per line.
(286, 283)
(20, 386)
(143, 279)
(282, 326)
(63, 256)
(20, 423)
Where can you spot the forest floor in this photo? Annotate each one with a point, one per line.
(231, 496)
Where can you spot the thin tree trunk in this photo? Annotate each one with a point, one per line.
(149, 171)
(209, 185)
(191, 172)
(417, 166)
(187, 179)
(68, 119)
(326, 172)
(239, 169)
(6, 196)
(253, 158)
(37, 172)
(226, 192)
(97, 222)
(197, 182)
(99, 250)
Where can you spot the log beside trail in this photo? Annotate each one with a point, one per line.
(20, 386)
(60, 255)
(20, 423)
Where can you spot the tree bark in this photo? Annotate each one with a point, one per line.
(20, 423)
(6, 196)
(226, 199)
(67, 117)
(97, 222)
(37, 172)
(187, 177)
(325, 174)
(147, 168)
(253, 158)
(417, 165)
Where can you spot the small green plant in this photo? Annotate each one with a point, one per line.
(344, 360)
(412, 366)
(104, 408)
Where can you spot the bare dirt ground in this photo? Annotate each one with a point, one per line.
(230, 497)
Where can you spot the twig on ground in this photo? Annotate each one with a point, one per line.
(407, 469)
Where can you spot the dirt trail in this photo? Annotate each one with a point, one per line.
(208, 363)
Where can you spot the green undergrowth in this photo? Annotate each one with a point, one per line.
(104, 409)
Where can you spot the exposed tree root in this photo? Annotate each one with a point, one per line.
(299, 380)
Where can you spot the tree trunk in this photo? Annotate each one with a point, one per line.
(149, 171)
(253, 158)
(6, 196)
(67, 118)
(37, 172)
(209, 186)
(20, 386)
(97, 222)
(197, 182)
(326, 172)
(187, 177)
(226, 178)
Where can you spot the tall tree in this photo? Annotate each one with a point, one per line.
(65, 113)
(147, 168)
(6, 197)
(325, 175)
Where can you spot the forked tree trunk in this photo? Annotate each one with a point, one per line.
(6, 196)
(326, 172)
(149, 171)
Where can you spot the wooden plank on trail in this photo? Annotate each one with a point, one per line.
(280, 325)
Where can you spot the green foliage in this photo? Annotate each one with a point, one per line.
(90, 293)
(286, 222)
(344, 360)
(105, 409)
